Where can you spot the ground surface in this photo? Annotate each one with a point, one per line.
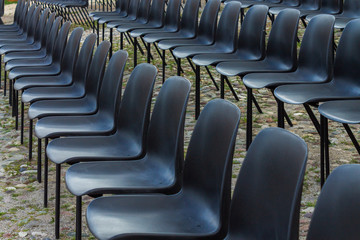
(22, 215)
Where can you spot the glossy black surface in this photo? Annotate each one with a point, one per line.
(199, 210)
(343, 111)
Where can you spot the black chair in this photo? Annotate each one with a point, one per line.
(351, 10)
(344, 84)
(250, 45)
(101, 122)
(158, 171)
(155, 20)
(315, 62)
(24, 22)
(280, 56)
(225, 42)
(17, 16)
(187, 29)
(326, 7)
(88, 78)
(272, 172)
(339, 199)
(200, 209)
(304, 5)
(121, 10)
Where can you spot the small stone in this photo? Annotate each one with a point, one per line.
(23, 234)
(38, 234)
(309, 210)
(13, 149)
(10, 189)
(308, 215)
(29, 172)
(20, 185)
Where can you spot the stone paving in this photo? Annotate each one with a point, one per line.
(22, 215)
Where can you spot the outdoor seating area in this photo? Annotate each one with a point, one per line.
(165, 119)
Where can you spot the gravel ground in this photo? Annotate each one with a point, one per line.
(22, 215)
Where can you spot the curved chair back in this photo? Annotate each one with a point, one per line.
(27, 16)
(337, 212)
(122, 6)
(189, 18)
(272, 173)
(208, 20)
(18, 10)
(208, 163)
(60, 42)
(143, 10)
(71, 51)
(347, 60)
(156, 14)
(172, 17)
(51, 39)
(31, 27)
(166, 145)
(134, 113)
(316, 52)
(31, 17)
(111, 86)
(310, 4)
(332, 6)
(133, 8)
(226, 32)
(96, 70)
(351, 8)
(45, 35)
(252, 33)
(282, 38)
(82, 65)
(41, 24)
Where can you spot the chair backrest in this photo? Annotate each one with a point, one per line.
(134, 113)
(208, 20)
(41, 24)
(268, 188)
(82, 65)
(282, 38)
(332, 6)
(290, 2)
(60, 42)
(28, 20)
(45, 34)
(165, 145)
(96, 70)
(208, 163)
(122, 7)
(352, 8)
(172, 17)
(143, 10)
(156, 14)
(18, 10)
(71, 51)
(347, 59)
(337, 212)
(189, 18)
(51, 38)
(111, 86)
(226, 32)
(133, 8)
(27, 12)
(31, 27)
(316, 52)
(252, 33)
(310, 4)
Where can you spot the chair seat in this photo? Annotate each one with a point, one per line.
(42, 93)
(37, 81)
(114, 24)
(99, 16)
(190, 51)
(168, 44)
(134, 26)
(214, 58)
(310, 93)
(346, 111)
(37, 71)
(63, 107)
(142, 32)
(155, 37)
(28, 62)
(41, 53)
(306, 12)
(115, 18)
(272, 80)
(18, 48)
(114, 216)
(117, 177)
(51, 127)
(74, 149)
(341, 22)
(245, 67)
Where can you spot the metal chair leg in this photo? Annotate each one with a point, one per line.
(30, 139)
(39, 161)
(46, 175)
(249, 118)
(78, 217)
(197, 92)
(57, 201)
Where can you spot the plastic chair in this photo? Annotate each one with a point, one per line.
(131, 13)
(25, 21)
(343, 85)
(304, 5)
(250, 45)
(225, 42)
(272, 172)
(339, 199)
(200, 209)
(122, 7)
(101, 122)
(280, 55)
(315, 63)
(158, 171)
(17, 16)
(326, 7)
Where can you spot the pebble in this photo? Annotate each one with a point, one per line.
(29, 171)
(38, 234)
(23, 234)
(309, 210)
(13, 149)
(10, 189)
(20, 185)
